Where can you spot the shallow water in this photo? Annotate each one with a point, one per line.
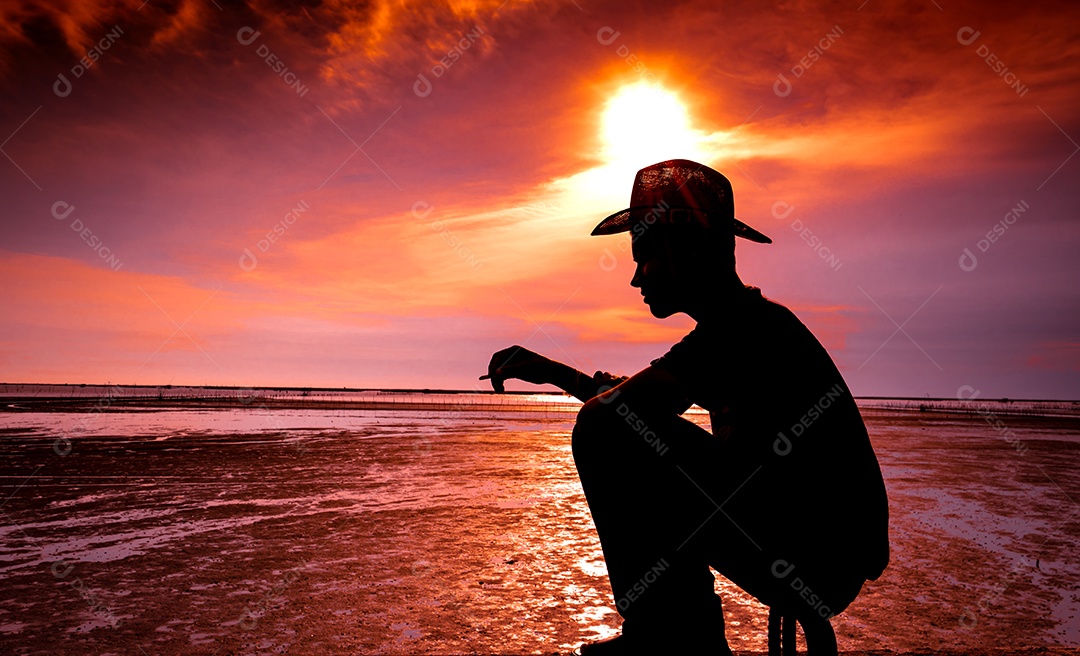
(262, 530)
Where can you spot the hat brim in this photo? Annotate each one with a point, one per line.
(621, 222)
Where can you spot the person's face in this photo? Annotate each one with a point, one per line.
(658, 275)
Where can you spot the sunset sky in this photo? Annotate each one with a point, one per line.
(381, 194)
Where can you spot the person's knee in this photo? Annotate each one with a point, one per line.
(597, 408)
(595, 428)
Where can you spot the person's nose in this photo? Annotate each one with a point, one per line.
(639, 273)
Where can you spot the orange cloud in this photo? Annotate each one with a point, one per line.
(188, 17)
(372, 45)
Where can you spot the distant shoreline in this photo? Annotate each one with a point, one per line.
(4, 387)
(16, 398)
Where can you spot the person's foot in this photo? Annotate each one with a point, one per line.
(633, 645)
(684, 628)
(615, 646)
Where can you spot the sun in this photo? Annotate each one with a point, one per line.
(644, 124)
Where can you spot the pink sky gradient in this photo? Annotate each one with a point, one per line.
(419, 232)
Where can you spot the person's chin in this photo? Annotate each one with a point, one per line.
(659, 310)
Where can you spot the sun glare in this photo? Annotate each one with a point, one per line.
(643, 124)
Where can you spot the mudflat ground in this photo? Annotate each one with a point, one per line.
(225, 531)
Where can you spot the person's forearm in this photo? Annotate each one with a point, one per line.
(578, 384)
(572, 381)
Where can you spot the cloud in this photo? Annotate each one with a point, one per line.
(73, 19)
(68, 321)
(189, 16)
(80, 23)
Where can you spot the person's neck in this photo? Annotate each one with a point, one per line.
(716, 302)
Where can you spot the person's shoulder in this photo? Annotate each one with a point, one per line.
(773, 318)
(758, 303)
(747, 310)
(753, 296)
(764, 303)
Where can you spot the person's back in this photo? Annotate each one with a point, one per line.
(783, 410)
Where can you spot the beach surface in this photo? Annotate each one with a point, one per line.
(450, 524)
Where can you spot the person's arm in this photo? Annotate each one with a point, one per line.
(521, 363)
(651, 391)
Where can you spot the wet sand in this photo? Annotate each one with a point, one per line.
(242, 531)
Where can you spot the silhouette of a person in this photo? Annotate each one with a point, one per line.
(784, 496)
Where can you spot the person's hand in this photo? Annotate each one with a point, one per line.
(521, 363)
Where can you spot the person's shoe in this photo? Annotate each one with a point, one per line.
(634, 645)
(696, 628)
(619, 645)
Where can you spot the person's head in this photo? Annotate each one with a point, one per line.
(683, 227)
(677, 268)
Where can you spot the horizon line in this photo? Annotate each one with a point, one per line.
(429, 390)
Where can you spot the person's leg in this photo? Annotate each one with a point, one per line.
(650, 516)
(810, 595)
(819, 633)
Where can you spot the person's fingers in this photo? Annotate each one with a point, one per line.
(494, 362)
(512, 362)
(500, 358)
(495, 365)
(503, 359)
